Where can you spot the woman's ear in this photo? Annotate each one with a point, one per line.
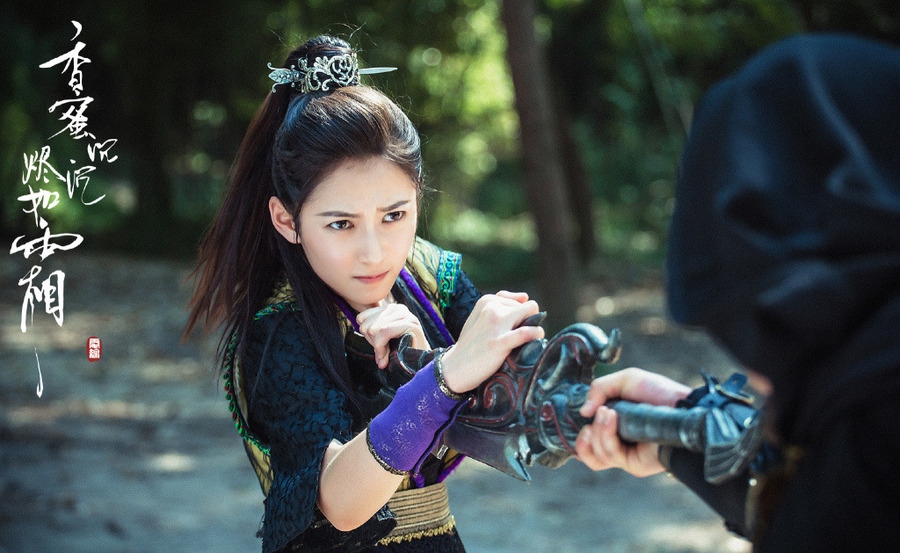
(283, 221)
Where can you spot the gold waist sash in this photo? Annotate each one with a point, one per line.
(420, 512)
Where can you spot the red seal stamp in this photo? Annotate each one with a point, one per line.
(94, 348)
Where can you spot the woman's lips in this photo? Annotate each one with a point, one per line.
(373, 279)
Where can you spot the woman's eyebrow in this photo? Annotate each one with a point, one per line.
(394, 206)
(342, 214)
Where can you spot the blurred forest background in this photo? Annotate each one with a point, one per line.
(551, 128)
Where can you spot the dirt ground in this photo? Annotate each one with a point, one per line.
(136, 452)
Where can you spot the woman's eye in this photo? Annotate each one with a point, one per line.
(394, 216)
(339, 225)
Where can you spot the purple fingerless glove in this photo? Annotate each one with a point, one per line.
(401, 436)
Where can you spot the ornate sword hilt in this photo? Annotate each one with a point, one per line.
(717, 420)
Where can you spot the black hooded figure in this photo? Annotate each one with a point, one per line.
(785, 246)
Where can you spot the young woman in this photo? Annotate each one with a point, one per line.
(314, 244)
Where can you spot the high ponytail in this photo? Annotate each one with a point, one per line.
(229, 254)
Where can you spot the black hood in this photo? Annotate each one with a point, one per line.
(785, 240)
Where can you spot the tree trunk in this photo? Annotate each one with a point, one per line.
(581, 200)
(544, 175)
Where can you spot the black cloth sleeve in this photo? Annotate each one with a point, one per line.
(461, 304)
(296, 409)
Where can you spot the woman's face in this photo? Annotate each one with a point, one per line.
(357, 228)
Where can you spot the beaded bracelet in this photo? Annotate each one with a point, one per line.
(439, 376)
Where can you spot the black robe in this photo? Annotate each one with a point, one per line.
(785, 246)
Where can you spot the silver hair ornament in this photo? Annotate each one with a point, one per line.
(326, 74)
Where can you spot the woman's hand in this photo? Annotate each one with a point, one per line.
(382, 324)
(487, 337)
(598, 445)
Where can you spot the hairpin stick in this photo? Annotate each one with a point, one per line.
(373, 70)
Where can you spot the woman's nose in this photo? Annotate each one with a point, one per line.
(371, 249)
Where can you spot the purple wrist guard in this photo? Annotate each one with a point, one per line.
(401, 436)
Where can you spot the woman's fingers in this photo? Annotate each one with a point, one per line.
(520, 297)
(382, 324)
(520, 336)
(490, 333)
